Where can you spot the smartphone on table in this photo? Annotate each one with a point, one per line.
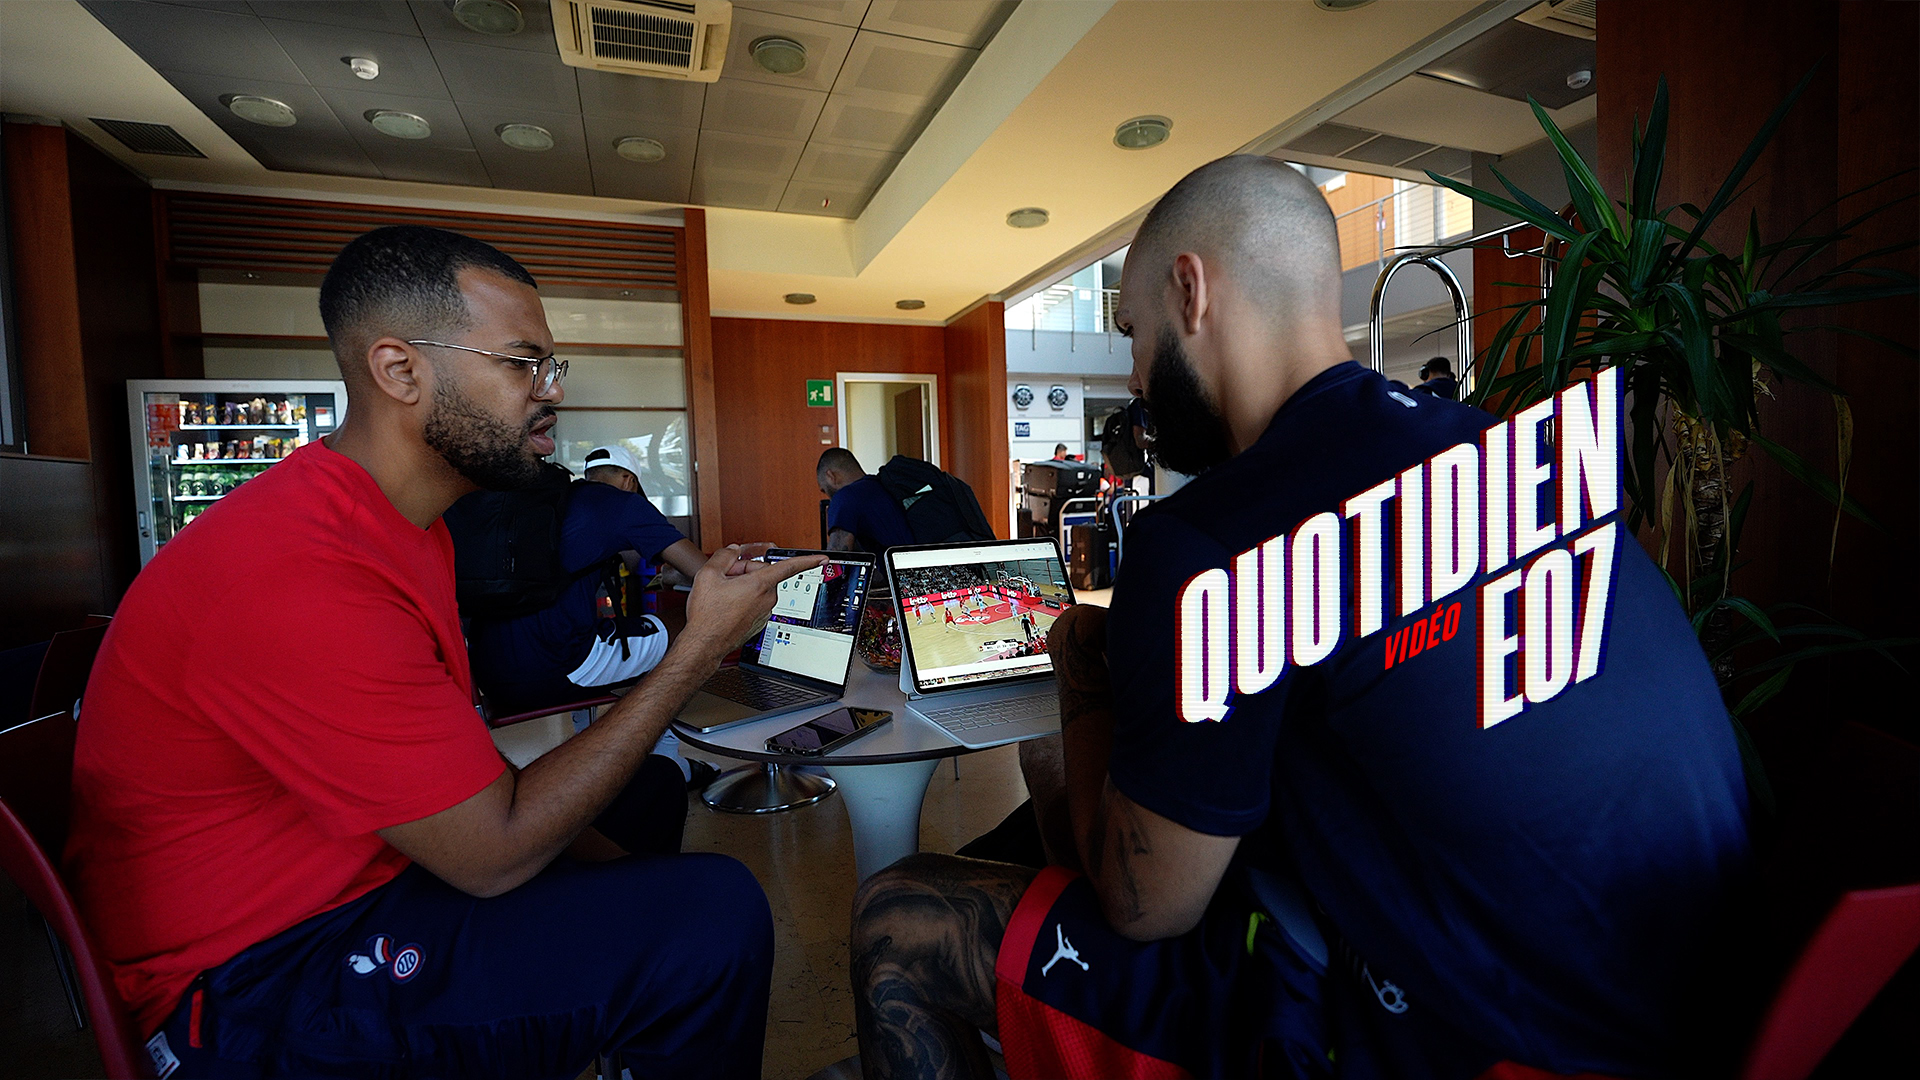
(824, 734)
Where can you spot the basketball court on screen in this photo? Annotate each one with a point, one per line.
(980, 611)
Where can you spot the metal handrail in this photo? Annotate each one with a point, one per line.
(1119, 530)
(1060, 516)
(1463, 312)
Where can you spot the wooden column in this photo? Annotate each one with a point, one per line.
(977, 387)
(696, 313)
(46, 291)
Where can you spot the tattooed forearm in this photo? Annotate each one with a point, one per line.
(1078, 645)
(926, 932)
(1118, 837)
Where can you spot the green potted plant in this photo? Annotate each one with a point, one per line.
(1700, 336)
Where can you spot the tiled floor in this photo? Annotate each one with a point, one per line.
(803, 858)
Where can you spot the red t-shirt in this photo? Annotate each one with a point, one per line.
(284, 678)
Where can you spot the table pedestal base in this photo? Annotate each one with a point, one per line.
(765, 789)
(883, 805)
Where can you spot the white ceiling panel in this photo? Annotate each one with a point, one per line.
(317, 142)
(908, 72)
(673, 102)
(493, 76)
(844, 165)
(753, 155)
(870, 121)
(562, 169)
(352, 107)
(614, 177)
(968, 23)
(750, 108)
(825, 200)
(406, 65)
(436, 21)
(358, 14)
(841, 12)
(826, 46)
(742, 191)
(197, 40)
(432, 165)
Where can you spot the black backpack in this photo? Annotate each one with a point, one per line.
(1117, 446)
(940, 507)
(506, 548)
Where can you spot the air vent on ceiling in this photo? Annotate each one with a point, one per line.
(661, 38)
(1575, 18)
(142, 138)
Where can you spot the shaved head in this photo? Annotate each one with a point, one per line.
(1260, 222)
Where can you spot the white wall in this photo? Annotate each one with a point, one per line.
(869, 414)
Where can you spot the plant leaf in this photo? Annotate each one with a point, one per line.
(1649, 158)
(1764, 693)
(1552, 223)
(1589, 197)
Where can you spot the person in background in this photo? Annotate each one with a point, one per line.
(292, 837)
(1347, 870)
(1059, 451)
(1436, 378)
(861, 516)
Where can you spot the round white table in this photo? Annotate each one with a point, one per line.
(883, 776)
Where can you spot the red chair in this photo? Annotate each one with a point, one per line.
(36, 779)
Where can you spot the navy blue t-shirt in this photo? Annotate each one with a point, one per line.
(526, 661)
(864, 509)
(1545, 885)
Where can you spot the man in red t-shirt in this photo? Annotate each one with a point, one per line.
(292, 833)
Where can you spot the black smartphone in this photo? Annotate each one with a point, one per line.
(830, 732)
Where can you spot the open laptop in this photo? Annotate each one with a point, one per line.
(974, 620)
(802, 655)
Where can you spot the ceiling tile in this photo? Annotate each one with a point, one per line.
(494, 76)
(969, 23)
(359, 14)
(615, 177)
(436, 21)
(563, 169)
(674, 102)
(406, 66)
(1445, 160)
(908, 71)
(1387, 150)
(170, 37)
(1330, 139)
(237, 7)
(826, 46)
(750, 108)
(840, 12)
(1515, 60)
(753, 155)
(317, 143)
(433, 165)
(844, 165)
(869, 120)
(352, 107)
(742, 191)
(825, 200)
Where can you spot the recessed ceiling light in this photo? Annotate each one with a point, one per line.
(530, 137)
(909, 305)
(1142, 132)
(643, 150)
(362, 67)
(1578, 80)
(1028, 217)
(497, 17)
(781, 56)
(261, 110)
(400, 125)
(799, 298)
(1342, 5)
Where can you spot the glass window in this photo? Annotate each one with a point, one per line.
(605, 382)
(657, 438)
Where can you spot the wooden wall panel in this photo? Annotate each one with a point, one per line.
(53, 577)
(696, 315)
(45, 291)
(977, 371)
(769, 439)
(1498, 281)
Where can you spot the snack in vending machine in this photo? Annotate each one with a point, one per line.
(258, 409)
(188, 414)
(284, 411)
(182, 452)
(230, 448)
(199, 451)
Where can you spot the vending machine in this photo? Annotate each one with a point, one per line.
(195, 440)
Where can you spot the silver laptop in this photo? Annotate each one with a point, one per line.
(974, 619)
(801, 658)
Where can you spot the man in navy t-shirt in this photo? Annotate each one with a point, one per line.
(1346, 872)
(861, 516)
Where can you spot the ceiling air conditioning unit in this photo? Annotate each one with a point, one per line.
(666, 39)
(1574, 18)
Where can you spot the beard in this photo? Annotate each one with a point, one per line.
(1189, 433)
(492, 453)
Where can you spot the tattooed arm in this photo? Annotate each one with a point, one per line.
(1153, 876)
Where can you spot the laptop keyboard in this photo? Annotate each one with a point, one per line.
(754, 691)
(986, 714)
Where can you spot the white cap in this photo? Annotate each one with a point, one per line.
(612, 455)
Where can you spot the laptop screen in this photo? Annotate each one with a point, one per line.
(815, 615)
(979, 613)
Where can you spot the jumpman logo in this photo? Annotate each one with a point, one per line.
(1066, 951)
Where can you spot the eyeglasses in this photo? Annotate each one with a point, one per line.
(547, 370)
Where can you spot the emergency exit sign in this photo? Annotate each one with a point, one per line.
(820, 393)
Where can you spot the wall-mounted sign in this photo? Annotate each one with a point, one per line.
(820, 393)
(1022, 429)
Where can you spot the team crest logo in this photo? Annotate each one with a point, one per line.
(401, 964)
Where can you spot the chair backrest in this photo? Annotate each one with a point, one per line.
(36, 770)
(64, 669)
(1858, 947)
